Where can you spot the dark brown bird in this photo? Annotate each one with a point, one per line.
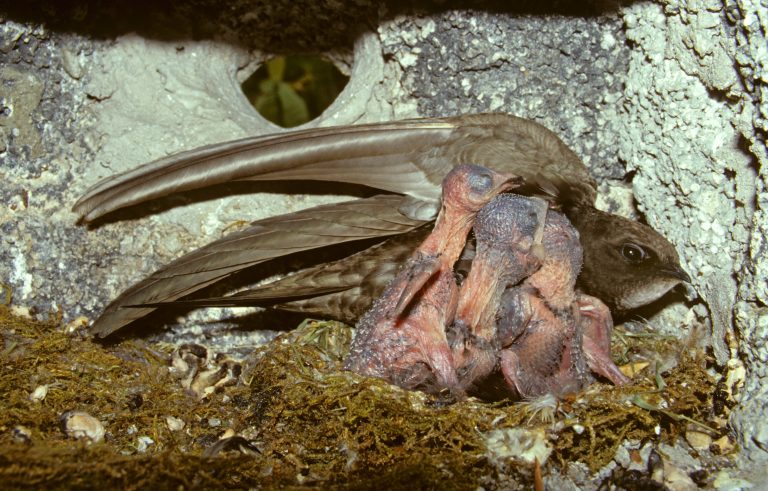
(508, 236)
(409, 157)
(402, 337)
(626, 264)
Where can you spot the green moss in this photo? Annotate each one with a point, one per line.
(313, 423)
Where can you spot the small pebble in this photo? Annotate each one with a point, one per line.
(228, 434)
(143, 443)
(22, 434)
(698, 440)
(38, 395)
(724, 445)
(78, 424)
(76, 325)
(174, 424)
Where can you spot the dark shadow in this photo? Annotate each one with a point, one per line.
(299, 25)
(493, 388)
(148, 327)
(276, 320)
(754, 165)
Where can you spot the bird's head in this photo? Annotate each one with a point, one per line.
(470, 187)
(626, 264)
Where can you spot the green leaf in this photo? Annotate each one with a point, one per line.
(294, 108)
(276, 68)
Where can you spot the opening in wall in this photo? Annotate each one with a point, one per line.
(290, 90)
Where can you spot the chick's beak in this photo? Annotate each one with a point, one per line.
(505, 182)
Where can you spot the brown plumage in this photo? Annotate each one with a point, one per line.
(409, 157)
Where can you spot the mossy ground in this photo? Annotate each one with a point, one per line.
(309, 422)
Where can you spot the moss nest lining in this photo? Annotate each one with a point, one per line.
(296, 419)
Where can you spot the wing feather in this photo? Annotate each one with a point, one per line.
(263, 241)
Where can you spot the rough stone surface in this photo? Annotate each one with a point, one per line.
(130, 100)
(41, 127)
(564, 72)
(750, 22)
(671, 95)
(694, 133)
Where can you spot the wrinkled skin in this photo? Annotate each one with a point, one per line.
(597, 326)
(402, 337)
(549, 334)
(508, 233)
(516, 311)
(547, 357)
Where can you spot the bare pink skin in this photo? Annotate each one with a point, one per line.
(540, 328)
(507, 233)
(549, 333)
(597, 325)
(546, 357)
(402, 337)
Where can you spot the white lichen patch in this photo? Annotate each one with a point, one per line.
(21, 276)
(78, 424)
(508, 445)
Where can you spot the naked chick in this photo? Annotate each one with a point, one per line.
(508, 237)
(402, 337)
(550, 335)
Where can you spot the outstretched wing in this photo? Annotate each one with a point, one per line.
(342, 289)
(408, 157)
(376, 217)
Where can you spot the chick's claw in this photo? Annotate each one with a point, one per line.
(402, 338)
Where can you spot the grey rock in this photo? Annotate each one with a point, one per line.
(671, 95)
(694, 132)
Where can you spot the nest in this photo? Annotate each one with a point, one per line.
(297, 419)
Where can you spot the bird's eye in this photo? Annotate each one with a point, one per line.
(633, 252)
(481, 183)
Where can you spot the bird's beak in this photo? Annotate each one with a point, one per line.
(677, 273)
(505, 182)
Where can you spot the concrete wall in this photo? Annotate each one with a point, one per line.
(666, 99)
